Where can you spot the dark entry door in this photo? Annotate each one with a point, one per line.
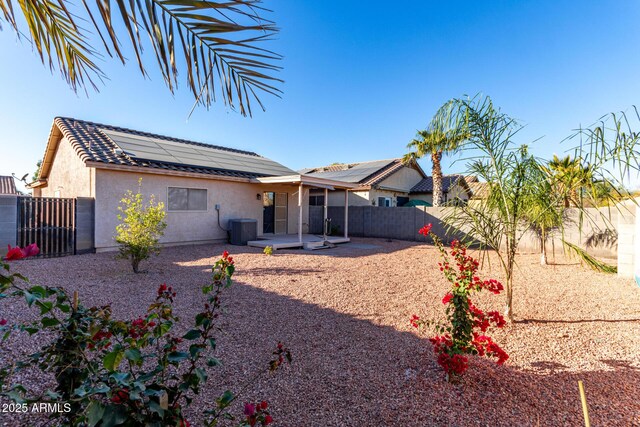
(268, 212)
(274, 212)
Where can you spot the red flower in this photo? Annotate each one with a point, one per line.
(30, 250)
(267, 420)
(14, 254)
(3, 322)
(225, 254)
(447, 298)
(249, 408)
(425, 230)
(263, 405)
(120, 396)
(162, 288)
(415, 321)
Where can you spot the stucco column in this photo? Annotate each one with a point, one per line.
(326, 212)
(300, 213)
(346, 213)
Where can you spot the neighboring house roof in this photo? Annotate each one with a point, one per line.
(112, 145)
(7, 186)
(426, 185)
(479, 190)
(365, 174)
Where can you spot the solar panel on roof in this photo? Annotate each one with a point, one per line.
(155, 149)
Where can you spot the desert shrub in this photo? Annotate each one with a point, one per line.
(268, 250)
(140, 227)
(112, 372)
(463, 333)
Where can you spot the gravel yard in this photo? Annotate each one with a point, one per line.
(344, 312)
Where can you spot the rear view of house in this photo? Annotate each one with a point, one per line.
(202, 186)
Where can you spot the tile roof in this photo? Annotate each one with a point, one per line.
(426, 185)
(363, 173)
(7, 186)
(93, 145)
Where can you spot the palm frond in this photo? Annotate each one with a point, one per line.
(217, 45)
(591, 261)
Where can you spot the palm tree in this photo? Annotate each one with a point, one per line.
(215, 44)
(570, 178)
(444, 134)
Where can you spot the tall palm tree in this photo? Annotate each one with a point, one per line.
(215, 44)
(445, 133)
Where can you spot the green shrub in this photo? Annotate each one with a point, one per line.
(112, 372)
(140, 228)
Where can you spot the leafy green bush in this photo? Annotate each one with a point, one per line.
(140, 228)
(113, 372)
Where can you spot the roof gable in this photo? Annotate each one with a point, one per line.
(363, 173)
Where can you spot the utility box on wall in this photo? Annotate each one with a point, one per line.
(243, 230)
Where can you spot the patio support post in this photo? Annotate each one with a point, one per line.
(346, 213)
(300, 213)
(326, 212)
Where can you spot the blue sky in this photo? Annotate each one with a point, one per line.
(361, 80)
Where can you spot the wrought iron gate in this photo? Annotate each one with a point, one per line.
(50, 222)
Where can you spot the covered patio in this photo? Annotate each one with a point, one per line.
(300, 239)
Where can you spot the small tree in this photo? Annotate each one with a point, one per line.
(519, 195)
(140, 228)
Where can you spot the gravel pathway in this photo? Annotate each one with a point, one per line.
(345, 312)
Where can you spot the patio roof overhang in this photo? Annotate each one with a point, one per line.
(308, 181)
(302, 181)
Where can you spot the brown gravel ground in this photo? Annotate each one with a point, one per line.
(345, 312)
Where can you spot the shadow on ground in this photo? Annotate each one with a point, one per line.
(348, 371)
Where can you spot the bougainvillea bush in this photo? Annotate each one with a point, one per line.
(464, 332)
(111, 372)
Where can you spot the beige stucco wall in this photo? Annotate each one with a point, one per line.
(236, 199)
(68, 175)
(403, 180)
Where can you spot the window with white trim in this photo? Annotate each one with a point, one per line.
(384, 202)
(187, 199)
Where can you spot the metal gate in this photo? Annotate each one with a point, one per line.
(50, 222)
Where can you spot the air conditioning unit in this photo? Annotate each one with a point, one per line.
(243, 230)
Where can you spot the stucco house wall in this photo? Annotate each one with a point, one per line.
(69, 176)
(402, 180)
(236, 200)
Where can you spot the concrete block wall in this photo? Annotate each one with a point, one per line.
(628, 241)
(85, 225)
(403, 224)
(8, 222)
(382, 222)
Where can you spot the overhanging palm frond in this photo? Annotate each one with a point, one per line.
(60, 43)
(216, 44)
(592, 262)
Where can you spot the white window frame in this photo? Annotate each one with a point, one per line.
(187, 210)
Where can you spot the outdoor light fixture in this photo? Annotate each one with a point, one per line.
(258, 196)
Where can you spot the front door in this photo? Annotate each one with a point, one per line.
(274, 212)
